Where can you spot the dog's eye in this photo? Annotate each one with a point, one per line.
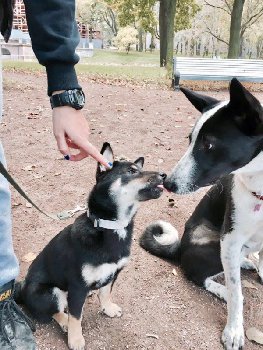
(208, 143)
(207, 146)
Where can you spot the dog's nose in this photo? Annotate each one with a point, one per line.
(170, 186)
(163, 176)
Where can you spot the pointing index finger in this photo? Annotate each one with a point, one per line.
(94, 153)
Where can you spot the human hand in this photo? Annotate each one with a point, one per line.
(71, 130)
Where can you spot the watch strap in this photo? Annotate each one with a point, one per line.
(67, 98)
(59, 100)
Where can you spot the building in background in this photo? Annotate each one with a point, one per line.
(19, 22)
(19, 45)
(20, 25)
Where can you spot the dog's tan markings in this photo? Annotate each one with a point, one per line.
(107, 306)
(203, 235)
(62, 319)
(75, 338)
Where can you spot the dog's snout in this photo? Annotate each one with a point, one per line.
(163, 176)
(170, 185)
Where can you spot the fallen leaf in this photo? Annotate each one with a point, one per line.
(149, 335)
(122, 157)
(174, 272)
(38, 176)
(29, 257)
(247, 284)
(29, 167)
(16, 204)
(171, 202)
(31, 117)
(255, 335)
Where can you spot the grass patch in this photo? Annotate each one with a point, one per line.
(137, 67)
(106, 57)
(22, 66)
(136, 73)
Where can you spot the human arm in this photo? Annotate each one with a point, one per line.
(55, 36)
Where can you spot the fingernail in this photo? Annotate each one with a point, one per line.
(67, 157)
(110, 164)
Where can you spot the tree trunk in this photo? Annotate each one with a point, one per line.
(152, 45)
(235, 29)
(166, 24)
(140, 35)
(90, 34)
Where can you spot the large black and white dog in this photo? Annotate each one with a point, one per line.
(90, 253)
(227, 224)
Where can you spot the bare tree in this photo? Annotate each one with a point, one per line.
(243, 15)
(109, 18)
(235, 29)
(166, 31)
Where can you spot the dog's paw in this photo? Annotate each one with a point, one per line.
(112, 310)
(64, 327)
(233, 338)
(76, 342)
(248, 264)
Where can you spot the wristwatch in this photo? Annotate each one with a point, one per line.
(73, 98)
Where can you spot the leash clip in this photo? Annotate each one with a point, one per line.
(70, 213)
(65, 215)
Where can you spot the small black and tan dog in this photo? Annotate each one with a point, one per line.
(90, 253)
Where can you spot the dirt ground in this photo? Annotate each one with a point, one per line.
(162, 310)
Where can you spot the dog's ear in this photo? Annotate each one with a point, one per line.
(199, 101)
(107, 153)
(246, 109)
(139, 162)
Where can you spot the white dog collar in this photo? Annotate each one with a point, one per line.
(108, 224)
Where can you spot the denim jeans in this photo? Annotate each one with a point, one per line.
(9, 267)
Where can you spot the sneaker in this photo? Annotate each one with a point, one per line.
(15, 327)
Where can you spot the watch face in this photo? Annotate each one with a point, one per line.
(74, 98)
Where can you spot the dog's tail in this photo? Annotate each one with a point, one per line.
(18, 295)
(161, 239)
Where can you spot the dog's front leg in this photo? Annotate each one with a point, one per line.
(260, 266)
(76, 299)
(107, 306)
(233, 334)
